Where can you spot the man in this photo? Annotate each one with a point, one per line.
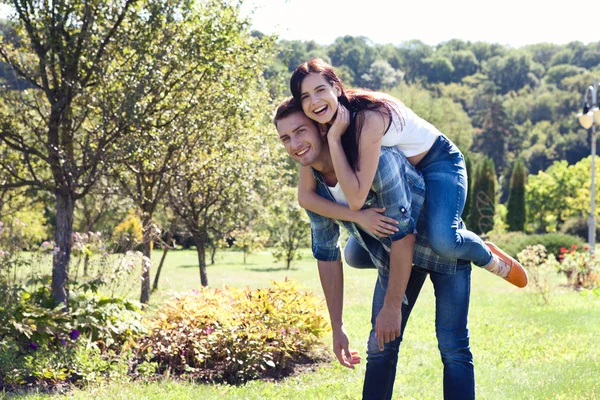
(398, 188)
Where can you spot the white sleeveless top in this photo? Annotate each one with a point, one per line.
(338, 195)
(412, 137)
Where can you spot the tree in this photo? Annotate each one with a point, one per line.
(511, 71)
(356, 52)
(465, 63)
(55, 137)
(560, 192)
(237, 161)
(483, 201)
(187, 63)
(516, 216)
(382, 75)
(290, 228)
(438, 69)
(249, 240)
(495, 132)
(443, 113)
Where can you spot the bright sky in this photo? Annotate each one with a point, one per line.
(512, 22)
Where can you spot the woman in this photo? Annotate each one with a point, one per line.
(357, 123)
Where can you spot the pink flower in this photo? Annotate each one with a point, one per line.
(209, 330)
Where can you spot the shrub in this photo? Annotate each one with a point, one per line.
(581, 268)
(539, 264)
(234, 335)
(577, 226)
(128, 234)
(515, 242)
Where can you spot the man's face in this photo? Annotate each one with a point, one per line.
(301, 138)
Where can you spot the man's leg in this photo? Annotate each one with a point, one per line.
(452, 294)
(381, 365)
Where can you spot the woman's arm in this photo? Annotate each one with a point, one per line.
(356, 185)
(371, 219)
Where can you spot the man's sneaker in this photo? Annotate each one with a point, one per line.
(517, 275)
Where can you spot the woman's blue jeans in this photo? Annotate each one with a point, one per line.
(452, 293)
(445, 175)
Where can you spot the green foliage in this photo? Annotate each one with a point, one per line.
(515, 242)
(578, 226)
(446, 115)
(438, 69)
(483, 201)
(249, 240)
(290, 228)
(128, 234)
(581, 268)
(43, 343)
(382, 75)
(235, 335)
(557, 73)
(560, 192)
(516, 199)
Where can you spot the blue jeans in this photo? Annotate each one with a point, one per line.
(445, 175)
(452, 293)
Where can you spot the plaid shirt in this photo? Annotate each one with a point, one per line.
(398, 187)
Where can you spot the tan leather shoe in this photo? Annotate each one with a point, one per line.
(517, 275)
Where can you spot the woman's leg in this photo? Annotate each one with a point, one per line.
(446, 192)
(446, 183)
(355, 256)
(452, 293)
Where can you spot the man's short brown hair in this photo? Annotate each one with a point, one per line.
(287, 107)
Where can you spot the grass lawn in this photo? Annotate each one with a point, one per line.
(522, 348)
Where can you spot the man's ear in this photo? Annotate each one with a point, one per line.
(323, 129)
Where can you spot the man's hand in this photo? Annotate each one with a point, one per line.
(342, 350)
(388, 324)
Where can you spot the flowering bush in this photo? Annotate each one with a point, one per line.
(235, 335)
(581, 268)
(539, 264)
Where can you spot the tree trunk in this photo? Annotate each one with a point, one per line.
(65, 206)
(244, 251)
(162, 260)
(213, 251)
(200, 243)
(146, 263)
(86, 263)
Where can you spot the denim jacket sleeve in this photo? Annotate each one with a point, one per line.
(325, 235)
(400, 189)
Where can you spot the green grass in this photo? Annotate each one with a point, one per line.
(522, 349)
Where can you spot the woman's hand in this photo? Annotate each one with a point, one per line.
(340, 124)
(374, 221)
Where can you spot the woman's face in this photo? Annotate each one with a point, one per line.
(319, 98)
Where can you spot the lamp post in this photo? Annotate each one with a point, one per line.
(589, 118)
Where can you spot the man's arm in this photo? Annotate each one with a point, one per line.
(394, 183)
(389, 320)
(325, 248)
(332, 281)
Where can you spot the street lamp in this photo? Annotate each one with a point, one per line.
(589, 118)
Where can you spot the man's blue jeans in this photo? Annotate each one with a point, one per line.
(452, 292)
(445, 175)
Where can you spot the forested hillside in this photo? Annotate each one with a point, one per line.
(492, 100)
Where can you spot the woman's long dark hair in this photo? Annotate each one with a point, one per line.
(355, 100)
